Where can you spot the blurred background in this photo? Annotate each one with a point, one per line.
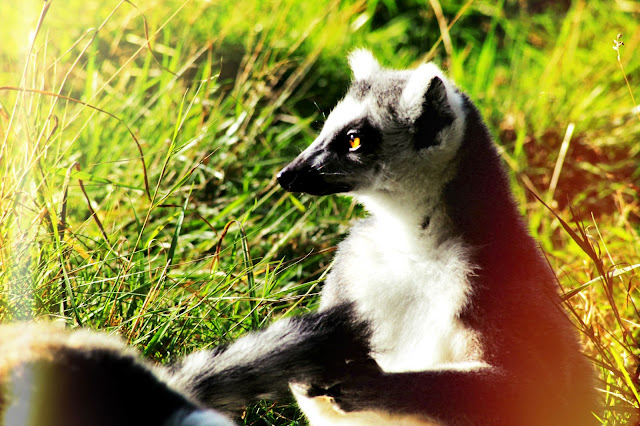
(140, 142)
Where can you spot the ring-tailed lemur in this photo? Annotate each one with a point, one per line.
(439, 308)
(49, 377)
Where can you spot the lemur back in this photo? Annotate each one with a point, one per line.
(439, 308)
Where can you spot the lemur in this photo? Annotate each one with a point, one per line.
(439, 307)
(51, 377)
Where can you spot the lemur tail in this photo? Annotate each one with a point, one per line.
(311, 348)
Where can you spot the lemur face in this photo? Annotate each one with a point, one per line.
(390, 125)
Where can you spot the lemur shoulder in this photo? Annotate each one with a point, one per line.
(439, 308)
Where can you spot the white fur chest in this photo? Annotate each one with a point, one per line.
(412, 294)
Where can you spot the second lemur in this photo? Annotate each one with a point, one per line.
(439, 308)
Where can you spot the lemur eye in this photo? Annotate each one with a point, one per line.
(354, 142)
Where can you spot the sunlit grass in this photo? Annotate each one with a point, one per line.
(140, 144)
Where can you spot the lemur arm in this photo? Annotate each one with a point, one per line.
(262, 364)
(452, 396)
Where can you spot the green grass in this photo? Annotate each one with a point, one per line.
(192, 243)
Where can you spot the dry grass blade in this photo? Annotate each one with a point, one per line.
(617, 44)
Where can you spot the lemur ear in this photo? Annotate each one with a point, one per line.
(437, 94)
(435, 116)
(363, 64)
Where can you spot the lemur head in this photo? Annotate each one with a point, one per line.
(393, 131)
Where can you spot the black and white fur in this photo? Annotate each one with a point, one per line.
(51, 377)
(439, 308)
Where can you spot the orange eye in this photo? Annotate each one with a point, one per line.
(354, 142)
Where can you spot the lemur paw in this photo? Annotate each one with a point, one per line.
(356, 390)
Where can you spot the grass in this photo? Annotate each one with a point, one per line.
(139, 144)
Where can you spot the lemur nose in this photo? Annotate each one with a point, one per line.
(286, 178)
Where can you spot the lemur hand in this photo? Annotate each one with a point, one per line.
(356, 389)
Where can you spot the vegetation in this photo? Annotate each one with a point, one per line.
(139, 143)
